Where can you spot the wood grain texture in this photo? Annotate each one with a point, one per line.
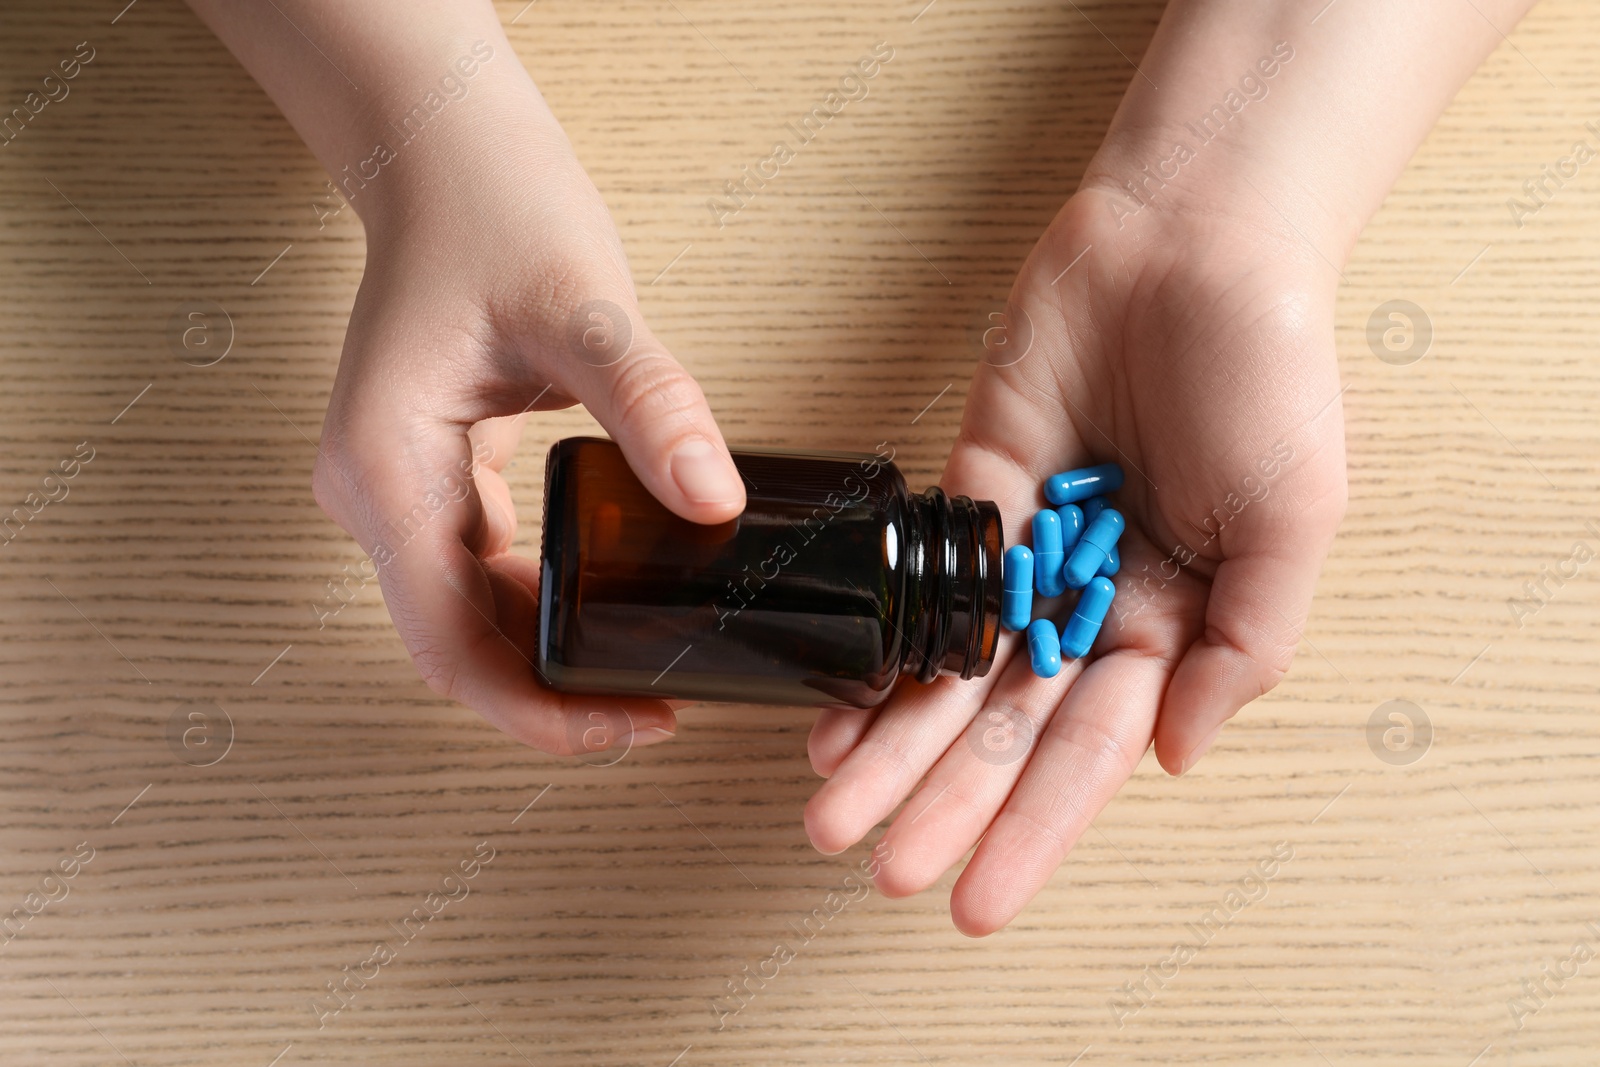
(180, 572)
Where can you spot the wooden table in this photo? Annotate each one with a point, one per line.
(172, 588)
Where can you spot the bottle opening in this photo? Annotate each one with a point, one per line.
(955, 618)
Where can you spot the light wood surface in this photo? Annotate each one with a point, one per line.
(835, 311)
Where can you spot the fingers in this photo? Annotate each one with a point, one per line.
(971, 781)
(1088, 750)
(1254, 615)
(494, 442)
(902, 743)
(499, 513)
(955, 805)
(1254, 618)
(834, 734)
(580, 330)
(403, 489)
(656, 412)
(890, 752)
(565, 326)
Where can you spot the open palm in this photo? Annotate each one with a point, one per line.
(1197, 353)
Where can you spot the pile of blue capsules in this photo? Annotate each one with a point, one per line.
(1074, 547)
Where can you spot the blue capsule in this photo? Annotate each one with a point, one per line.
(1094, 548)
(1079, 633)
(1073, 486)
(1092, 507)
(1016, 598)
(1044, 648)
(1073, 523)
(1048, 554)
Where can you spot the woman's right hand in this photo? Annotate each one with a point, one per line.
(496, 285)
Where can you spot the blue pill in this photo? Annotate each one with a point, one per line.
(1073, 486)
(1016, 597)
(1092, 507)
(1044, 648)
(1094, 548)
(1073, 524)
(1048, 554)
(1079, 633)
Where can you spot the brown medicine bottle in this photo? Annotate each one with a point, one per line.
(834, 581)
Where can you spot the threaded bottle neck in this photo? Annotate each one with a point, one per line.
(952, 618)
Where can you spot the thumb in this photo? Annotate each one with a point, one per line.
(653, 409)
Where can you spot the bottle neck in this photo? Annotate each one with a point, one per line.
(952, 614)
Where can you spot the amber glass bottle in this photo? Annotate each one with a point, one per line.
(833, 581)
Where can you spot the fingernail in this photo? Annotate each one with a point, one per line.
(650, 735)
(679, 705)
(702, 475)
(1199, 750)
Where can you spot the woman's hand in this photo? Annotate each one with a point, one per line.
(1192, 343)
(496, 285)
(1202, 361)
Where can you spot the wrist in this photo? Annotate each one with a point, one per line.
(1287, 123)
(427, 145)
(1165, 180)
